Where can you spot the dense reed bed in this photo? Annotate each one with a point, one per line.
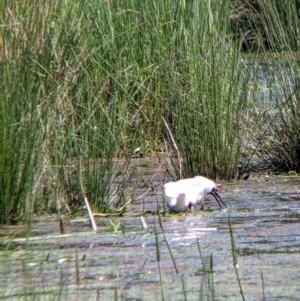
(85, 82)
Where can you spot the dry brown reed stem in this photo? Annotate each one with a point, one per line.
(234, 255)
(165, 238)
(61, 226)
(77, 267)
(174, 145)
(158, 261)
(86, 200)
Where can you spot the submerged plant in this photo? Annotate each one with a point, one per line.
(116, 227)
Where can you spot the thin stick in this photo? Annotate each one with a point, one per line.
(234, 256)
(206, 272)
(77, 267)
(90, 212)
(165, 238)
(61, 226)
(174, 145)
(158, 261)
(183, 289)
(86, 200)
(263, 285)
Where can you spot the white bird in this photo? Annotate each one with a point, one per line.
(183, 194)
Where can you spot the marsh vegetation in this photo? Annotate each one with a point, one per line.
(201, 87)
(83, 83)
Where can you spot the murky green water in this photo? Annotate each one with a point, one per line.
(265, 218)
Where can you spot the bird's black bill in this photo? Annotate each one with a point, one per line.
(218, 198)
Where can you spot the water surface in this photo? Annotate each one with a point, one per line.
(265, 215)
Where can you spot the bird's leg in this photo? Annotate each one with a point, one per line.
(202, 203)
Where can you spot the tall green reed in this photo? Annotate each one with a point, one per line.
(89, 81)
(53, 111)
(276, 125)
(274, 105)
(205, 109)
(282, 145)
(265, 25)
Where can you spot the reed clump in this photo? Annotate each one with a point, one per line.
(85, 82)
(273, 108)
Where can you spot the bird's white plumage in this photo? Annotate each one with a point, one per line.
(183, 194)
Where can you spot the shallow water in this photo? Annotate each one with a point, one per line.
(265, 215)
